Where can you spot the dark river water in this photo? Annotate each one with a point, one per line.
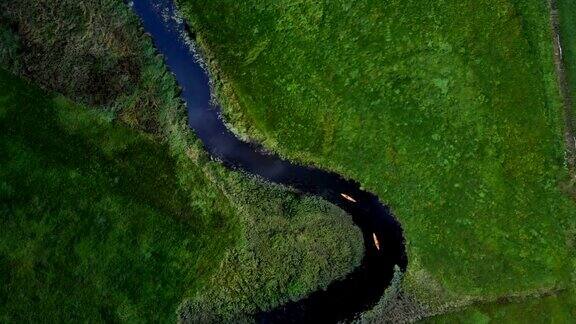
(343, 299)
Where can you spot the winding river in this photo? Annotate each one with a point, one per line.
(343, 299)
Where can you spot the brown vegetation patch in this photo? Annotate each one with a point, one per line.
(78, 48)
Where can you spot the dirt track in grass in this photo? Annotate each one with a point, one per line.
(564, 88)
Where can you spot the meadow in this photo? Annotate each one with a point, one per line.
(449, 111)
(111, 208)
(557, 308)
(96, 224)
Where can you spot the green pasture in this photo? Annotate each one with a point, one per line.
(448, 110)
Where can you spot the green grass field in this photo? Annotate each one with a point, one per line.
(559, 308)
(111, 209)
(96, 224)
(448, 110)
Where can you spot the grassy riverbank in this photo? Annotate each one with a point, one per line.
(113, 211)
(448, 111)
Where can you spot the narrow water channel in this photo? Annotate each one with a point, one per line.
(343, 299)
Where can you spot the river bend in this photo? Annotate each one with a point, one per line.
(343, 299)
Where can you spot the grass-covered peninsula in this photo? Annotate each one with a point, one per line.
(448, 110)
(110, 208)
